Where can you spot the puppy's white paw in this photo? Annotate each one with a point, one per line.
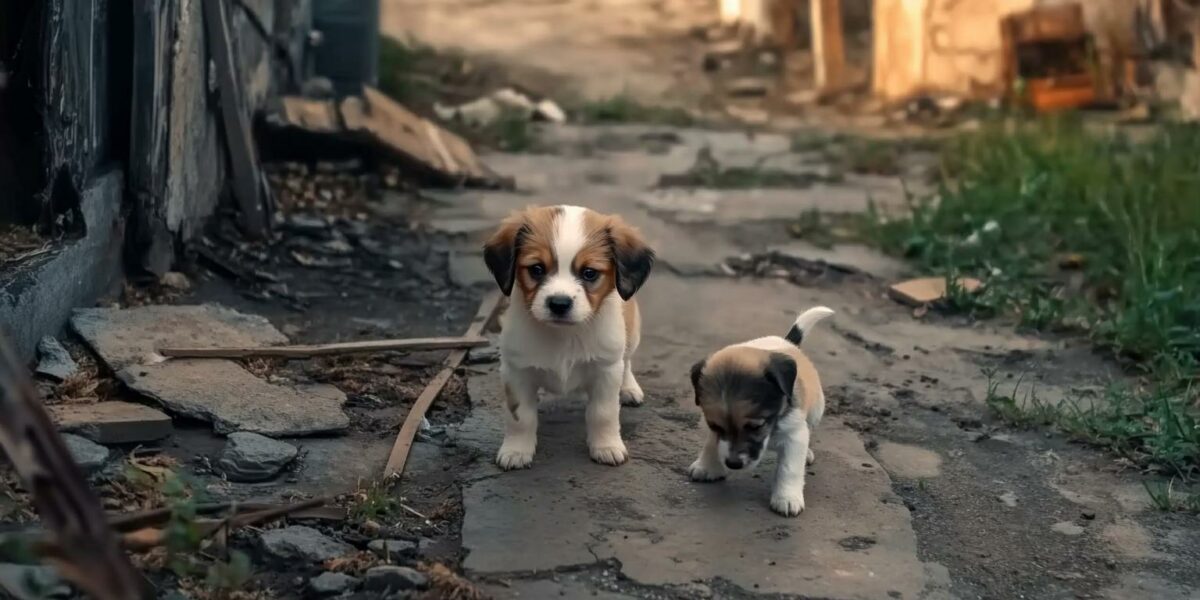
(514, 456)
(609, 453)
(633, 396)
(810, 459)
(788, 505)
(702, 472)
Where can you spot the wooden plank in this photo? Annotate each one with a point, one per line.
(248, 186)
(311, 350)
(408, 431)
(829, 51)
(918, 292)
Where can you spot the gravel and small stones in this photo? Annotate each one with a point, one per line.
(89, 455)
(298, 542)
(327, 585)
(54, 361)
(250, 457)
(392, 549)
(390, 578)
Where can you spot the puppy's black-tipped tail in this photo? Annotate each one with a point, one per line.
(805, 322)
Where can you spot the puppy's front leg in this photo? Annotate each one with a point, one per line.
(604, 415)
(788, 497)
(520, 421)
(708, 465)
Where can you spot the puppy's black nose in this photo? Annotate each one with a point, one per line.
(734, 463)
(559, 305)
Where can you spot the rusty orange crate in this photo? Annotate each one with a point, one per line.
(1061, 93)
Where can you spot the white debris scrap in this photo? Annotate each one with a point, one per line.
(488, 109)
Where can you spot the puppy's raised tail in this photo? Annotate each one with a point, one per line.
(805, 322)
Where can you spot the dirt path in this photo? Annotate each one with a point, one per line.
(570, 50)
(916, 492)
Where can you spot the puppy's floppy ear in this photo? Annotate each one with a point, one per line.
(500, 251)
(781, 370)
(697, 372)
(632, 257)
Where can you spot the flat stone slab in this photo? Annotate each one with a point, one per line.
(853, 256)
(112, 422)
(855, 539)
(232, 399)
(125, 337)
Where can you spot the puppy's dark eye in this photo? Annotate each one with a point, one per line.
(753, 426)
(537, 271)
(589, 274)
(716, 429)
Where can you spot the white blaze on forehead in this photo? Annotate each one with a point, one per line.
(569, 238)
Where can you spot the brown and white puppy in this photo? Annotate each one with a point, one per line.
(572, 323)
(761, 392)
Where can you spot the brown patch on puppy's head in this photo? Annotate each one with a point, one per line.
(521, 251)
(743, 392)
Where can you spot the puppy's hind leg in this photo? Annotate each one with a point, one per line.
(520, 422)
(787, 498)
(604, 416)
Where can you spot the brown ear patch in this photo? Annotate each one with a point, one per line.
(524, 239)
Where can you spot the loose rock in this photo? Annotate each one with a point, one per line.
(29, 582)
(1067, 528)
(54, 361)
(1008, 498)
(89, 455)
(250, 457)
(175, 280)
(394, 579)
(302, 543)
(331, 584)
(389, 549)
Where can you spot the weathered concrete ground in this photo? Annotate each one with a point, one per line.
(916, 492)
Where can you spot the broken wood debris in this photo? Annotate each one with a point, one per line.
(80, 544)
(412, 423)
(376, 122)
(150, 536)
(311, 350)
(926, 290)
(247, 182)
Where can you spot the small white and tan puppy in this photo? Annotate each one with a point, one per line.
(572, 324)
(761, 392)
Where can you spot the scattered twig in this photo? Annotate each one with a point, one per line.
(412, 511)
(412, 423)
(151, 537)
(311, 350)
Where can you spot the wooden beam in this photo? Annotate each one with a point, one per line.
(829, 49)
(248, 187)
(412, 423)
(311, 350)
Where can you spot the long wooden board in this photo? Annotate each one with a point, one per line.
(311, 350)
(412, 423)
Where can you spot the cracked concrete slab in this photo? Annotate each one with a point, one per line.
(124, 337)
(667, 530)
(232, 399)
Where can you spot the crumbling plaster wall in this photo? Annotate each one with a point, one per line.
(953, 46)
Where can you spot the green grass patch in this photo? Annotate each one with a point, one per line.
(401, 70)
(624, 109)
(1093, 233)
